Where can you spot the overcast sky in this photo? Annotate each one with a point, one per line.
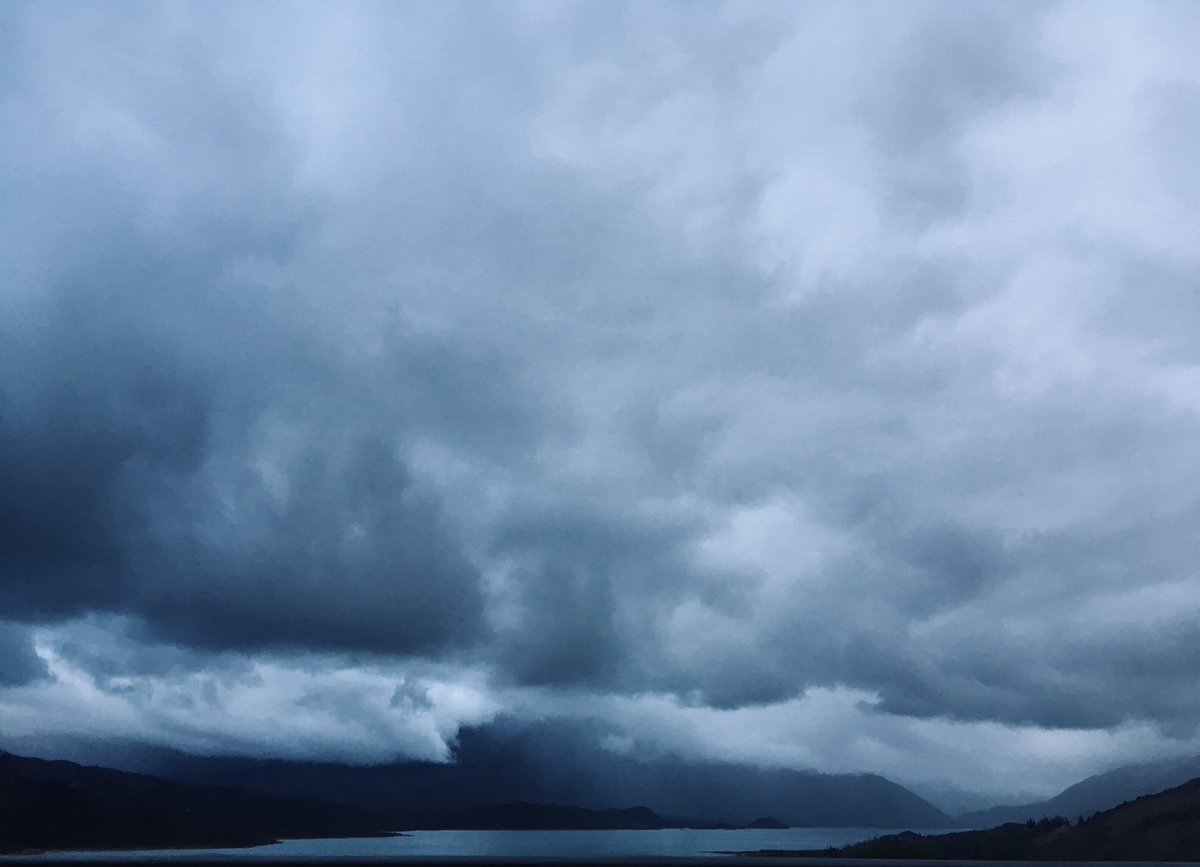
(816, 385)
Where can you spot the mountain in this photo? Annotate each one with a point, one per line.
(62, 805)
(956, 801)
(522, 816)
(1161, 827)
(1093, 794)
(548, 766)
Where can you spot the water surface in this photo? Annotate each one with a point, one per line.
(669, 843)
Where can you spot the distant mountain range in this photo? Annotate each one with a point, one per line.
(540, 767)
(57, 805)
(1159, 827)
(522, 816)
(1099, 792)
(62, 805)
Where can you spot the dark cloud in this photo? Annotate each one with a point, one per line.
(137, 481)
(736, 359)
(19, 663)
(182, 442)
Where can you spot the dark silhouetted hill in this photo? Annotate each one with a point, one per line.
(62, 805)
(1161, 827)
(1099, 792)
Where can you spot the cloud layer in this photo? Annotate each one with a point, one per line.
(605, 354)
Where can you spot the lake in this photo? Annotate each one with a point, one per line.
(671, 843)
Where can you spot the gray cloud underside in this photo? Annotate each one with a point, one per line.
(615, 348)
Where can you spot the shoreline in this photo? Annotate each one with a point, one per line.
(754, 859)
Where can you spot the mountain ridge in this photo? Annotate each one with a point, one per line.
(56, 804)
(545, 771)
(1092, 794)
(1164, 826)
(525, 816)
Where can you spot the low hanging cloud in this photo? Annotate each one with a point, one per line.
(726, 360)
(305, 707)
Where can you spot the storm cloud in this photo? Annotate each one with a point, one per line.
(658, 365)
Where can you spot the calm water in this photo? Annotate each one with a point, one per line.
(521, 844)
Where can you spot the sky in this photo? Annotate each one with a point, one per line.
(807, 385)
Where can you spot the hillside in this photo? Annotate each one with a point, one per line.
(62, 805)
(1160, 827)
(1099, 792)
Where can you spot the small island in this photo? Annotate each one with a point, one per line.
(767, 823)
